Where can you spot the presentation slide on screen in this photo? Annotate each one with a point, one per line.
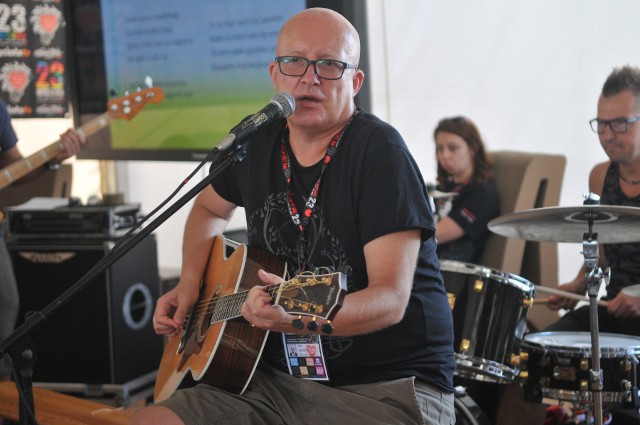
(210, 58)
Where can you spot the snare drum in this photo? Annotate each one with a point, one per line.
(489, 319)
(556, 365)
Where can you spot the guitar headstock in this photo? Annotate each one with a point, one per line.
(317, 295)
(129, 105)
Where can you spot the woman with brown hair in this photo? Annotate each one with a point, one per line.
(464, 170)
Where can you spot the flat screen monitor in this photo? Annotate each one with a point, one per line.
(208, 59)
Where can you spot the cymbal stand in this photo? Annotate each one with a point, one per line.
(594, 275)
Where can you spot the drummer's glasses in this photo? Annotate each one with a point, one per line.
(617, 125)
(327, 69)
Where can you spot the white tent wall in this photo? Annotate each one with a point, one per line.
(527, 72)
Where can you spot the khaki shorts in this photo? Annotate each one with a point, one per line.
(275, 398)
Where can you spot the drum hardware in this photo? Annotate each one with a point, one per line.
(452, 300)
(558, 224)
(478, 285)
(489, 310)
(467, 410)
(464, 346)
(515, 360)
(555, 366)
(612, 224)
(436, 194)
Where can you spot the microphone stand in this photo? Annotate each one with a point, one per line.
(19, 344)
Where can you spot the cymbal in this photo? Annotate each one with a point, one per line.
(612, 223)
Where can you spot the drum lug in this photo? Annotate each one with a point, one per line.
(478, 285)
(584, 385)
(452, 300)
(527, 302)
(524, 356)
(464, 345)
(515, 359)
(584, 364)
(625, 385)
(523, 375)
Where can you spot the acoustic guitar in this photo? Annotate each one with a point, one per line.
(216, 345)
(125, 107)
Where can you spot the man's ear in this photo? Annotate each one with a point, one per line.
(358, 79)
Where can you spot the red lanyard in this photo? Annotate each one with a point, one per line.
(310, 205)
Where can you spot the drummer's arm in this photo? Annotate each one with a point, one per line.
(576, 286)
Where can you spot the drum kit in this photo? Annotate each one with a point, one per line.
(591, 370)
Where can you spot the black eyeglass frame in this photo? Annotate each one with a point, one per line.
(345, 66)
(596, 123)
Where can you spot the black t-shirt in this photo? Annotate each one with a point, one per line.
(473, 207)
(622, 258)
(371, 187)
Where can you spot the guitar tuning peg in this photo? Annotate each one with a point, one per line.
(298, 323)
(148, 81)
(312, 325)
(327, 328)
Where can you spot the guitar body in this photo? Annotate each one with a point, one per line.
(223, 353)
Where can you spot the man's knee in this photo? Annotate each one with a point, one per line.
(154, 415)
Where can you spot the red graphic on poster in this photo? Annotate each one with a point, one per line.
(32, 57)
(46, 20)
(15, 77)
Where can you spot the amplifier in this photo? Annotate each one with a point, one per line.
(70, 222)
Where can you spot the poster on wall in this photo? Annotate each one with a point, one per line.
(32, 58)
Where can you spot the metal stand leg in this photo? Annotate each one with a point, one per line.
(593, 277)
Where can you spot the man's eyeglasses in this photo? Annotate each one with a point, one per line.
(617, 125)
(327, 69)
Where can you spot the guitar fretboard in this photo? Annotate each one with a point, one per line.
(228, 307)
(19, 169)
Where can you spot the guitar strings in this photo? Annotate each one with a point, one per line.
(228, 306)
(224, 307)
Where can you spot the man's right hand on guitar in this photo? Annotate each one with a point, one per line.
(172, 309)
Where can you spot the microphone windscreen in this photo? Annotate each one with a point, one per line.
(286, 102)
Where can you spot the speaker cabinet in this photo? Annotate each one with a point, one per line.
(103, 335)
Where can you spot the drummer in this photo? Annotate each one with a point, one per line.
(617, 181)
(465, 172)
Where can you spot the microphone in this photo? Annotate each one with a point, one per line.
(281, 105)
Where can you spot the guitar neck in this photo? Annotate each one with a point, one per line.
(21, 168)
(228, 306)
(310, 295)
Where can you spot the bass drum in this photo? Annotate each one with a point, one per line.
(467, 411)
